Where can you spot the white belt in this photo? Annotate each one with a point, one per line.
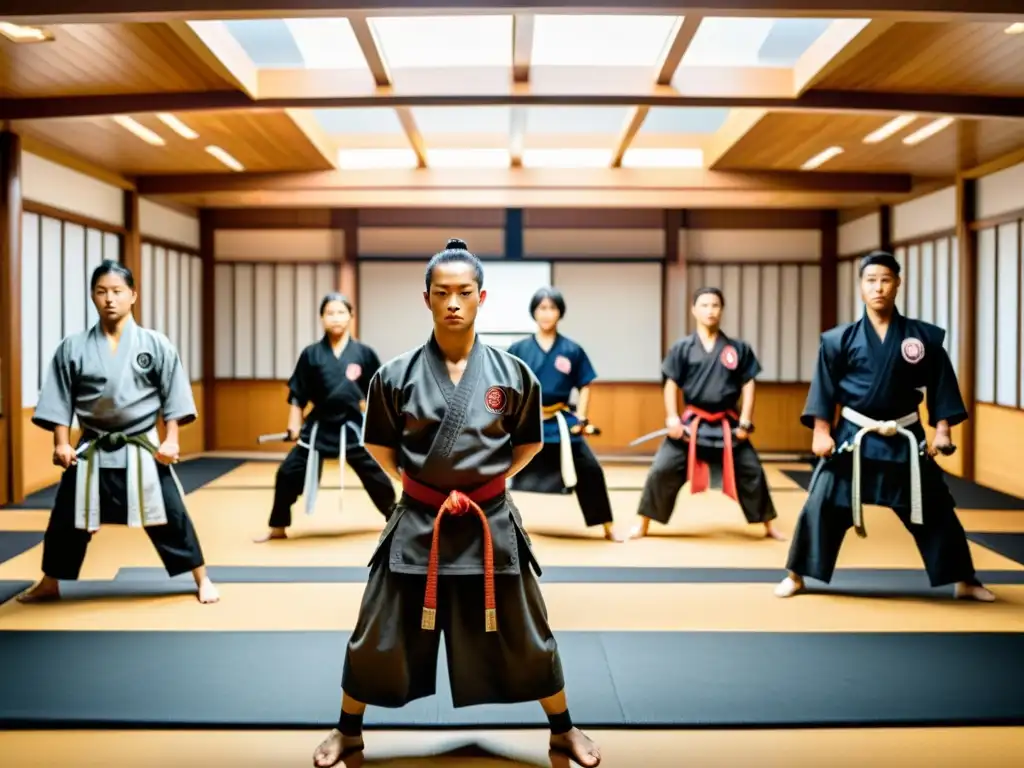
(568, 465)
(886, 429)
(145, 498)
(312, 482)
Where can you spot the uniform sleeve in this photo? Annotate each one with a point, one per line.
(749, 366)
(945, 403)
(585, 373)
(674, 365)
(821, 397)
(176, 399)
(382, 423)
(56, 406)
(527, 425)
(299, 383)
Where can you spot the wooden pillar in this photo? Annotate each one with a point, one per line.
(829, 268)
(12, 484)
(209, 329)
(885, 228)
(347, 224)
(132, 250)
(967, 321)
(672, 269)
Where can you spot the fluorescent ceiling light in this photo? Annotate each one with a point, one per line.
(225, 158)
(1016, 28)
(366, 159)
(327, 43)
(133, 126)
(468, 158)
(927, 131)
(895, 125)
(177, 126)
(567, 158)
(663, 158)
(821, 158)
(19, 34)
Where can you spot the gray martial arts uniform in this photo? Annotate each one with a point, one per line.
(117, 397)
(451, 437)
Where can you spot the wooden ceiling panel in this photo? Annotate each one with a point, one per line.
(787, 140)
(95, 59)
(955, 58)
(261, 140)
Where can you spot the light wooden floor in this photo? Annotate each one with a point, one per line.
(706, 531)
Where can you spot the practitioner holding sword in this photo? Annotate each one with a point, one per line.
(712, 372)
(333, 374)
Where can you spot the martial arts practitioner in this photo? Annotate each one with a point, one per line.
(117, 378)
(452, 420)
(873, 369)
(713, 372)
(333, 374)
(566, 462)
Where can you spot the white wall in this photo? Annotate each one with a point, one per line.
(860, 236)
(163, 223)
(60, 187)
(926, 215)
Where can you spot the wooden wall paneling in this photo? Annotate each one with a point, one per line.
(209, 387)
(885, 227)
(10, 318)
(131, 248)
(829, 266)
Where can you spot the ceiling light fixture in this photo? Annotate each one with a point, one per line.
(18, 34)
(927, 131)
(645, 157)
(225, 158)
(1017, 28)
(376, 159)
(133, 126)
(567, 158)
(177, 126)
(821, 158)
(468, 158)
(894, 126)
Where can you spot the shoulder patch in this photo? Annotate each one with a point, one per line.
(495, 400)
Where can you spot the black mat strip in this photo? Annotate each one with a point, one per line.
(883, 580)
(1010, 545)
(290, 680)
(14, 543)
(193, 474)
(968, 495)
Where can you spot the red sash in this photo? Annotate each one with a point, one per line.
(457, 503)
(698, 472)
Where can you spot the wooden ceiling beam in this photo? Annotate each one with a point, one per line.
(973, 107)
(106, 11)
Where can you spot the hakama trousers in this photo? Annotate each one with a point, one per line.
(827, 516)
(64, 545)
(291, 479)
(668, 476)
(544, 475)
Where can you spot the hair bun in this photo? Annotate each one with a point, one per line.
(456, 245)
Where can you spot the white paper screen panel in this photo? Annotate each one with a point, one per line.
(171, 299)
(57, 261)
(1007, 301)
(265, 315)
(628, 349)
(776, 306)
(985, 361)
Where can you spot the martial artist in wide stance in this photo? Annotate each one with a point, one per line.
(452, 420)
(873, 370)
(117, 378)
(713, 372)
(333, 374)
(566, 462)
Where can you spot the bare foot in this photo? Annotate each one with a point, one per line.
(640, 529)
(208, 592)
(273, 533)
(46, 590)
(789, 586)
(770, 532)
(336, 748)
(577, 745)
(612, 535)
(965, 591)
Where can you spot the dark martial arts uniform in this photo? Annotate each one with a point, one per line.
(456, 562)
(566, 462)
(874, 382)
(117, 397)
(711, 384)
(336, 385)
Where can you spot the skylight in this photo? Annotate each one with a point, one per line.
(610, 120)
(601, 40)
(663, 158)
(688, 120)
(326, 43)
(359, 120)
(444, 41)
(462, 120)
(468, 158)
(567, 158)
(372, 159)
(758, 42)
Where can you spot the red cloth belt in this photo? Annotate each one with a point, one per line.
(457, 503)
(698, 472)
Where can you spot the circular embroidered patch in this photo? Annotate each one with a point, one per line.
(144, 360)
(354, 371)
(729, 358)
(562, 364)
(495, 400)
(913, 350)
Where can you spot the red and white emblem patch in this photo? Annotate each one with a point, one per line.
(729, 358)
(562, 364)
(354, 371)
(495, 400)
(913, 350)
